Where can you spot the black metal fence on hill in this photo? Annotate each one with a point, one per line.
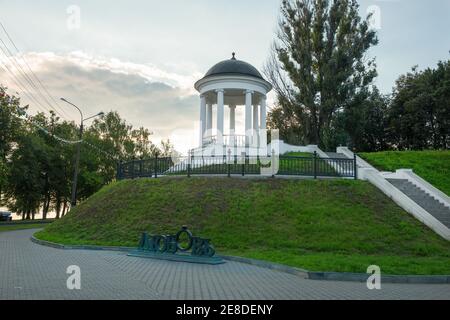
(312, 166)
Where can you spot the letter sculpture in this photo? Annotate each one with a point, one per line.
(168, 247)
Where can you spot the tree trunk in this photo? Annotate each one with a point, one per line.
(58, 207)
(46, 207)
(64, 208)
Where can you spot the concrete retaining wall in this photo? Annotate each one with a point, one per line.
(377, 179)
(369, 173)
(283, 147)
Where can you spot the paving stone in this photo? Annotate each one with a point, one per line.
(32, 271)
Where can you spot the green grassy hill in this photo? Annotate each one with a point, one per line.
(433, 166)
(325, 225)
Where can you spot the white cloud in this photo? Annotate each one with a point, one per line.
(145, 95)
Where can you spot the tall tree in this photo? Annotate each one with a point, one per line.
(3, 176)
(26, 181)
(420, 110)
(10, 123)
(116, 133)
(365, 121)
(143, 146)
(319, 63)
(10, 129)
(36, 163)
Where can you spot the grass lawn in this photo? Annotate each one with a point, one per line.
(20, 227)
(433, 166)
(324, 225)
(299, 154)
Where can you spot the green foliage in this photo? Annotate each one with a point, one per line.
(324, 225)
(325, 95)
(3, 175)
(433, 166)
(364, 122)
(26, 181)
(36, 170)
(415, 117)
(10, 125)
(19, 227)
(321, 48)
(420, 111)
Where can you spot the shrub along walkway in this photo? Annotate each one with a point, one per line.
(31, 271)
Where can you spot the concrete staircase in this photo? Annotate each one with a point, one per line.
(335, 155)
(411, 192)
(431, 205)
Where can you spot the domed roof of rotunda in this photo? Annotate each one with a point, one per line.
(233, 67)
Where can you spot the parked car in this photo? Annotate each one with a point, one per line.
(5, 216)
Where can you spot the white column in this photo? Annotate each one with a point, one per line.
(202, 118)
(232, 119)
(220, 115)
(255, 131)
(248, 116)
(263, 124)
(209, 118)
(232, 140)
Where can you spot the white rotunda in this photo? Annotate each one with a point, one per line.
(234, 84)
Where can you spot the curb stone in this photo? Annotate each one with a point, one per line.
(269, 265)
(362, 277)
(258, 263)
(26, 222)
(320, 276)
(79, 247)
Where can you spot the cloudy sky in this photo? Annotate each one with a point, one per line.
(142, 57)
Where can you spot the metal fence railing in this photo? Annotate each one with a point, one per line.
(313, 166)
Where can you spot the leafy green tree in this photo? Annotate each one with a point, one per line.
(26, 180)
(167, 149)
(37, 162)
(289, 127)
(113, 139)
(63, 160)
(365, 122)
(116, 134)
(46, 168)
(319, 64)
(419, 116)
(143, 146)
(10, 128)
(10, 123)
(3, 176)
(60, 164)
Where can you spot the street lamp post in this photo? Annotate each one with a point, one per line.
(73, 201)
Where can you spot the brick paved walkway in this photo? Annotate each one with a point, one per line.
(31, 271)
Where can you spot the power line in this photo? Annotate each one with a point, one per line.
(20, 85)
(31, 120)
(32, 97)
(21, 72)
(13, 61)
(63, 140)
(29, 68)
(114, 157)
